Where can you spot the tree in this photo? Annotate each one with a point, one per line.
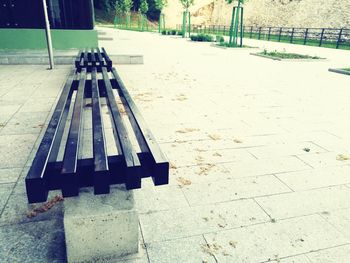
(186, 5)
(143, 10)
(125, 6)
(160, 4)
(236, 12)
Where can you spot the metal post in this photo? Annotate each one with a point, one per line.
(48, 36)
(321, 38)
(305, 37)
(339, 38)
(259, 33)
(269, 36)
(279, 37)
(251, 31)
(291, 36)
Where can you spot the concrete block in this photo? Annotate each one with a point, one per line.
(100, 227)
(136, 59)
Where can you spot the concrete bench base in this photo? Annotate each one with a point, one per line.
(100, 228)
(59, 59)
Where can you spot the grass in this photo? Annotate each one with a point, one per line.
(284, 55)
(227, 44)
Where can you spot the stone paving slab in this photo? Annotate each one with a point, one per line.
(316, 178)
(179, 223)
(9, 175)
(228, 190)
(35, 242)
(17, 209)
(18, 148)
(326, 159)
(340, 219)
(190, 249)
(270, 241)
(339, 254)
(306, 202)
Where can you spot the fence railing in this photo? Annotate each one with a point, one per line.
(323, 37)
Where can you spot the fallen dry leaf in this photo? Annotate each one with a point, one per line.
(214, 137)
(187, 130)
(184, 181)
(44, 207)
(237, 141)
(172, 166)
(342, 157)
(233, 244)
(204, 170)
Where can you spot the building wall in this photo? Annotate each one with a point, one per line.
(36, 39)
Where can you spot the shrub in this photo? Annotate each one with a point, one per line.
(220, 39)
(173, 32)
(202, 38)
(163, 32)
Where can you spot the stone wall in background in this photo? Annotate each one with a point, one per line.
(289, 13)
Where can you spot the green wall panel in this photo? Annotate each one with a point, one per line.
(35, 39)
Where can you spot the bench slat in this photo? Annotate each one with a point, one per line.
(86, 58)
(132, 162)
(101, 175)
(161, 170)
(78, 59)
(100, 58)
(70, 185)
(93, 58)
(108, 60)
(35, 182)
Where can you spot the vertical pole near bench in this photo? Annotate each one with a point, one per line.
(48, 35)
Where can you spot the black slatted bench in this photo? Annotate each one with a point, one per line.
(94, 57)
(127, 167)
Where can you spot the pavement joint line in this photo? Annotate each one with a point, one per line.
(212, 254)
(262, 208)
(279, 179)
(319, 146)
(335, 227)
(143, 242)
(322, 249)
(297, 156)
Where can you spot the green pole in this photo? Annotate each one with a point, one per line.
(236, 22)
(241, 43)
(163, 21)
(189, 24)
(115, 21)
(231, 27)
(159, 22)
(183, 24)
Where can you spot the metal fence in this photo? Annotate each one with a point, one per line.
(323, 37)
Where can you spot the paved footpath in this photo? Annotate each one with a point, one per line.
(259, 152)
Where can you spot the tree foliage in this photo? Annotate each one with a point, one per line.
(160, 4)
(187, 3)
(122, 6)
(143, 7)
(231, 1)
